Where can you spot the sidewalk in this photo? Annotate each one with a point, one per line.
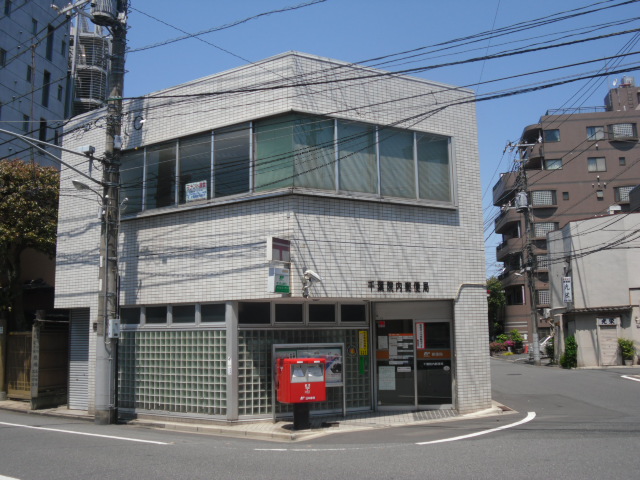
(283, 429)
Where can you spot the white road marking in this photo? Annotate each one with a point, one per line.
(2, 477)
(631, 378)
(530, 416)
(82, 433)
(300, 450)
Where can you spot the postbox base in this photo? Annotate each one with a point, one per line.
(301, 416)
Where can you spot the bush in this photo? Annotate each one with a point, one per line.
(548, 349)
(627, 349)
(497, 347)
(503, 337)
(569, 358)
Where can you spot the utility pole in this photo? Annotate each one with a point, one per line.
(523, 206)
(113, 15)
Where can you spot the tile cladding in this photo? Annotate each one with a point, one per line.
(218, 252)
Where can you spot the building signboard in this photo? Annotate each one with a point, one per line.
(196, 191)
(567, 295)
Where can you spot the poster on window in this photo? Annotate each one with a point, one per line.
(196, 191)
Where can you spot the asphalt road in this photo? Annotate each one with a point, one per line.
(586, 426)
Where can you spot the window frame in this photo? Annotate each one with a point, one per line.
(599, 134)
(551, 135)
(596, 164)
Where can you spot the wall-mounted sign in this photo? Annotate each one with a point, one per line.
(278, 249)
(398, 287)
(279, 280)
(567, 295)
(363, 341)
(196, 191)
(606, 321)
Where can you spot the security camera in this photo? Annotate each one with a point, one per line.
(312, 276)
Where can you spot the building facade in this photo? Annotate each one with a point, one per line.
(34, 52)
(573, 164)
(595, 286)
(298, 203)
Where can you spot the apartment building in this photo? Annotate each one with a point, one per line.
(573, 164)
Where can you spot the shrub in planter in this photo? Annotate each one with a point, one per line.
(569, 358)
(497, 347)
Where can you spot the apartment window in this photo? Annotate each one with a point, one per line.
(29, 76)
(541, 229)
(3, 57)
(26, 121)
(543, 197)
(542, 261)
(63, 48)
(7, 7)
(34, 26)
(622, 193)
(595, 133)
(49, 43)
(552, 164)
(543, 297)
(514, 295)
(622, 131)
(60, 92)
(596, 164)
(622, 161)
(42, 134)
(551, 135)
(565, 195)
(46, 84)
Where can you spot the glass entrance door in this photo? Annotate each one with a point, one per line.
(413, 363)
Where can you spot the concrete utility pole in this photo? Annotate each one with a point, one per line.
(113, 15)
(106, 345)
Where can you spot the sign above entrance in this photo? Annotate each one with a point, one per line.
(398, 287)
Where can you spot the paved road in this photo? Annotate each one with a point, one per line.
(587, 426)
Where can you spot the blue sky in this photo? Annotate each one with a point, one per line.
(358, 30)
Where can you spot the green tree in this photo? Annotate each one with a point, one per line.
(28, 220)
(497, 301)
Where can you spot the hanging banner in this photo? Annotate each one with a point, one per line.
(567, 295)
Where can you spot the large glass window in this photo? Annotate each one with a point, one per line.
(131, 179)
(552, 135)
(161, 175)
(232, 160)
(543, 197)
(552, 163)
(542, 228)
(595, 133)
(322, 313)
(183, 314)
(256, 313)
(195, 168)
(156, 315)
(358, 162)
(314, 164)
(213, 312)
(397, 168)
(434, 181)
(289, 312)
(273, 153)
(622, 131)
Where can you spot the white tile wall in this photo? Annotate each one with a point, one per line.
(219, 253)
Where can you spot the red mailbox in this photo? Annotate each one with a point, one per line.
(301, 380)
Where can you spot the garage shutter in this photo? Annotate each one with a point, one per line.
(79, 360)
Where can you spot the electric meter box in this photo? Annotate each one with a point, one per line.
(301, 380)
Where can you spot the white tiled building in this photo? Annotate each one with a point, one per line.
(371, 179)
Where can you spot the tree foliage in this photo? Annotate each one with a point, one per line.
(28, 220)
(497, 301)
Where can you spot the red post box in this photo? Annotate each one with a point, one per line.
(301, 380)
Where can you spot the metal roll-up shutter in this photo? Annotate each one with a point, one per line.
(79, 360)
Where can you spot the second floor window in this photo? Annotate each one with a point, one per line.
(596, 164)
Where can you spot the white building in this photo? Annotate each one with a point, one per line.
(369, 179)
(595, 286)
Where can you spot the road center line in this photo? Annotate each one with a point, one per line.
(530, 416)
(631, 378)
(82, 433)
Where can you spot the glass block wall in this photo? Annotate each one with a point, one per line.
(255, 370)
(173, 371)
